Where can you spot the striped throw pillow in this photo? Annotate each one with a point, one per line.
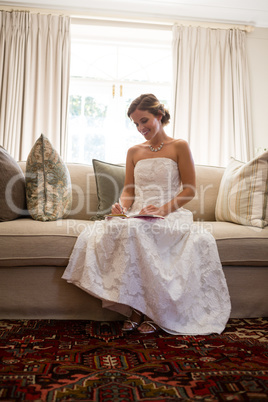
(243, 192)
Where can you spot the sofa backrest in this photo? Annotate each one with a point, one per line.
(85, 200)
(208, 179)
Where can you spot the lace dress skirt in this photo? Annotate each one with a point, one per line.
(166, 268)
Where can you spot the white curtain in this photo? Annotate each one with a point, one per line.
(211, 94)
(34, 84)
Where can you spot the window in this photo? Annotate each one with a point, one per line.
(111, 66)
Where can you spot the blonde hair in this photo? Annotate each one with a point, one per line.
(152, 105)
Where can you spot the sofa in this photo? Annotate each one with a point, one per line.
(34, 254)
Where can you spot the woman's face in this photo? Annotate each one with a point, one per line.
(147, 123)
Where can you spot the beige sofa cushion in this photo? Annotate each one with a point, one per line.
(36, 243)
(208, 179)
(27, 242)
(239, 245)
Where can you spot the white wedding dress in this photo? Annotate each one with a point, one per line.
(165, 268)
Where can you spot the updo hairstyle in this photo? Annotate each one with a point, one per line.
(152, 105)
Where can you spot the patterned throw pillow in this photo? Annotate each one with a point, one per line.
(48, 183)
(12, 188)
(109, 182)
(243, 193)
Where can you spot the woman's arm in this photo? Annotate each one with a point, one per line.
(187, 176)
(128, 193)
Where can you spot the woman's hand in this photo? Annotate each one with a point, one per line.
(152, 210)
(117, 209)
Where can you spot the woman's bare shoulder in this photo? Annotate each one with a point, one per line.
(134, 148)
(136, 151)
(179, 142)
(181, 146)
(176, 141)
(133, 154)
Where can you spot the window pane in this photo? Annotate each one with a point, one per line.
(108, 70)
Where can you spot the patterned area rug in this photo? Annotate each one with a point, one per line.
(51, 360)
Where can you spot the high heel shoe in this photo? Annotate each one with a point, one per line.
(149, 323)
(134, 324)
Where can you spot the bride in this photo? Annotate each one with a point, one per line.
(159, 273)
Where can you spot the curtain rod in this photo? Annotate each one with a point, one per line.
(148, 21)
(33, 10)
(163, 24)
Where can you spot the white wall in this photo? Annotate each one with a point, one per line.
(257, 49)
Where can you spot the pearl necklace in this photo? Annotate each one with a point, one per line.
(156, 149)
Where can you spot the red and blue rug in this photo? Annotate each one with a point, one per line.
(51, 360)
